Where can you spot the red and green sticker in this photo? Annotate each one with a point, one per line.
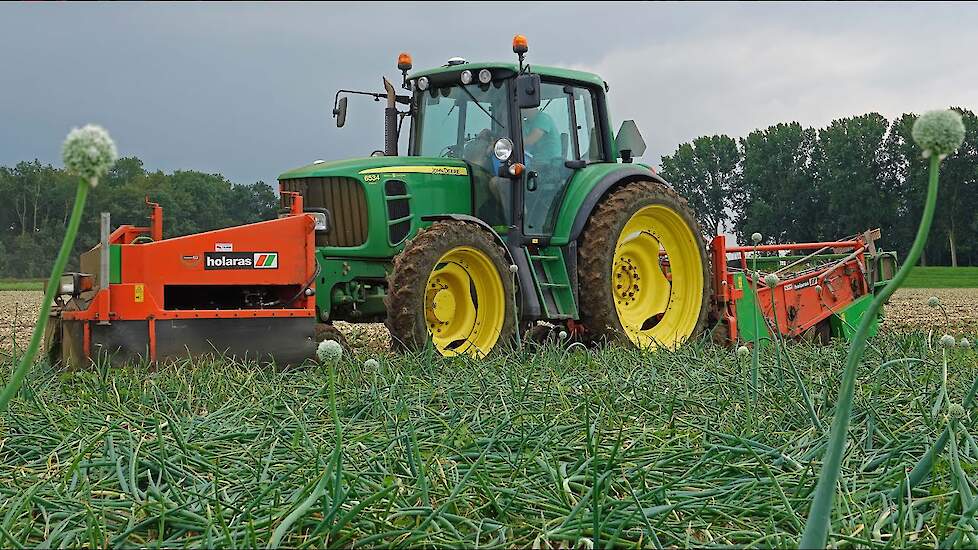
(266, 260)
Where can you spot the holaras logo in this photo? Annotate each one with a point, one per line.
(241, 260)
(266, 260)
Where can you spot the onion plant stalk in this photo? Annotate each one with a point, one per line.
(938, 133)
(88, 152)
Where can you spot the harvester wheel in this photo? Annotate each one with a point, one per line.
(451, 286)
(52, 340)
(644, 272)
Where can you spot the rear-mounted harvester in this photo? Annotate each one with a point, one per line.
(818, 290)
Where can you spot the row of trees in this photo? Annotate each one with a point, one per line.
(37, 200)
(794, 184)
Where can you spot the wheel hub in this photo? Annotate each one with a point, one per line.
(442, 304)
(626, 281)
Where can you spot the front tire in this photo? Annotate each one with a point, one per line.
(643, 269)
(451, 288)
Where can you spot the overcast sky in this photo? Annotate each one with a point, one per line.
(246, 89)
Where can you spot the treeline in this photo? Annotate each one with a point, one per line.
(36, 200)
(794, 184)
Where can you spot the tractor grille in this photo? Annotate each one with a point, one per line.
(398, 211)
(346, 202)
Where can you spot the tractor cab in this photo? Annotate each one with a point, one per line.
(524, 135)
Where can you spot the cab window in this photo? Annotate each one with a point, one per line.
(562, 129)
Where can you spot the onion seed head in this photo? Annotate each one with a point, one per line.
(939, 132)
(329, 351)
(89, 152)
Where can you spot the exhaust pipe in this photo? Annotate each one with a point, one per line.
(390, 120)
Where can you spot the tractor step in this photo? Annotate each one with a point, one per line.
(552, 282)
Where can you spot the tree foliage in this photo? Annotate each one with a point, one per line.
(794, 184)
(706, 173)
(37, 200)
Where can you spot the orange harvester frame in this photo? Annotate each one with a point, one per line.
(801, 301)
(130, 318)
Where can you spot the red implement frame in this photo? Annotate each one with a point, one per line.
(149, 267)
(802, 300)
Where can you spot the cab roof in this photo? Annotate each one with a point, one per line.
(512, 69)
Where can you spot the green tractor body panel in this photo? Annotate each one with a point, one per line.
(512, 68)
(578, 191)
(352, 282)
(432, 186)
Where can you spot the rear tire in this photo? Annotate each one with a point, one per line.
(626, 292)
(451, 288)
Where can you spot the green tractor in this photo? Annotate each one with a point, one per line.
(515, 210)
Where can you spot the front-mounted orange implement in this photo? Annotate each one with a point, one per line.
(245, 292)
(815, 290)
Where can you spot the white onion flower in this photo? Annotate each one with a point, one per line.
(771, 280)
(743, 351)
(562, 334)
(965, 343)
(371, 363)
(89, 152)
(756, 237)
(933, 301)
(329, 351)
(947, 341)
(939, 132)
(956, 411)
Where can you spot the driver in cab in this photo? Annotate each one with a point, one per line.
(541, 141)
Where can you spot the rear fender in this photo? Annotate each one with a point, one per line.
(603, 187)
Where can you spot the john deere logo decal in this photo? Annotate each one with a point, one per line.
(240, 260)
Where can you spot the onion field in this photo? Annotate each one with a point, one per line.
(544, 448)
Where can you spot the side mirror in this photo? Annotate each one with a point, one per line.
(528, 91)
(340, 112)
(629, 140)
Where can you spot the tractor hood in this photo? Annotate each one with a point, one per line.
(360, 167)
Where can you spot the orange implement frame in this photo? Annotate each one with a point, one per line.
(801, 299)
(276, 255)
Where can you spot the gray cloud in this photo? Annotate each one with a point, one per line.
(245, 89)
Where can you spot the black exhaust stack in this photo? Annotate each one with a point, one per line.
(390, 120)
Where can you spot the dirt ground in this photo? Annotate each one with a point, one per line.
(907, 310)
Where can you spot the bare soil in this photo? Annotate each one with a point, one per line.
(908, 310)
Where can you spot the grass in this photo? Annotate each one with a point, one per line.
(942, 277)
(22, 284)
(603, 448)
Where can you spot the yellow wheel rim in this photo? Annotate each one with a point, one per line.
(657, 296)
(465, 304)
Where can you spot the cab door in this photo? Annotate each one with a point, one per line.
(559, 137)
